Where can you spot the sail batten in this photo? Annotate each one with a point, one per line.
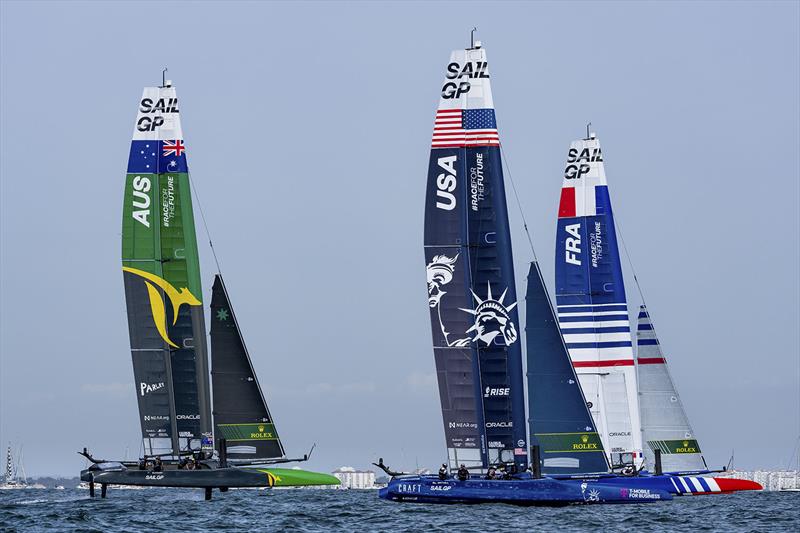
(471, 293)
(591, 302)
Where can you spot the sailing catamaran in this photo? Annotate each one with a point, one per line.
(594, 321)
(473, 309)
(161, 271)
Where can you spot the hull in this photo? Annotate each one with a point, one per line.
(545, 491)
(680, 485)
(207, 478)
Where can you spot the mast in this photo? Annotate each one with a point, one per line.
(592, 307)
(161, 271)
(9, 466)
(471, 291)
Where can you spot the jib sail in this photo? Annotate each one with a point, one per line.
(241, 415)
(665, 425)
(162, 282)
(560, 422)
(471, 292)
(592, 308)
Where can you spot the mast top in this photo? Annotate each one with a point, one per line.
(590, 134)
(164, 81)
(473, 44)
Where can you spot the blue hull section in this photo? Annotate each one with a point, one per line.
(545, 491)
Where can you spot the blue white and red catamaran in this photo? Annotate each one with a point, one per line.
(593, 317)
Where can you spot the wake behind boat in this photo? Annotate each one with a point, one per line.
(166, 322)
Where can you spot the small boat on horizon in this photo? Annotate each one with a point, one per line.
(14, 477)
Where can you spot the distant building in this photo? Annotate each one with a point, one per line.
(782, 480)
(355, 479)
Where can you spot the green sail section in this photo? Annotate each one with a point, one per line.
(161, 270)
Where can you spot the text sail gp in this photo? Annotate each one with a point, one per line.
(472, 298)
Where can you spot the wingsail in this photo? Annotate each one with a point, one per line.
(162, 282)
(241, 415)
(560, 421)
(471, 292)
(592, 307)
(665, 425)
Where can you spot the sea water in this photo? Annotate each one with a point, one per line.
(354, 510)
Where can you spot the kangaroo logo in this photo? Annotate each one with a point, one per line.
(492, 318)
(157, 304)
(272, 479)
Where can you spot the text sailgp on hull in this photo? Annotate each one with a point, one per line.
(168, 336)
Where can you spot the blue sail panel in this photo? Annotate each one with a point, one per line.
(592, 307)
(471, 292)
(559, 419)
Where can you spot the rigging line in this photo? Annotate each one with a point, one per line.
(203, 217)
(519, 203)
(618, 225)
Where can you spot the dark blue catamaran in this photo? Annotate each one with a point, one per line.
(472, 301)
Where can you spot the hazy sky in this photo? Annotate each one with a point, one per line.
(308, 129)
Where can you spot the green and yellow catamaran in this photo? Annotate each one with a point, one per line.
(187, 440)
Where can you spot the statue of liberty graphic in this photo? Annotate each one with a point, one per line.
(440, 272)
(492, 316)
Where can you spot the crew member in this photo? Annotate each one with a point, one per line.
(443, 472)
(491, 473)
(463, 473)
(158, 465)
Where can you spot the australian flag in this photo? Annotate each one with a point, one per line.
(157, 157)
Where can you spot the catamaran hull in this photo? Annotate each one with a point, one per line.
(545, 491)
(209, 478)
(216, 478)
(683, 485)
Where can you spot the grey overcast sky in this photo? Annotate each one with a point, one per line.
(308, 129)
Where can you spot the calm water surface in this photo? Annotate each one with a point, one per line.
(313, 510)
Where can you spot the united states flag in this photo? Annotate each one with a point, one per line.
(455, 128)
